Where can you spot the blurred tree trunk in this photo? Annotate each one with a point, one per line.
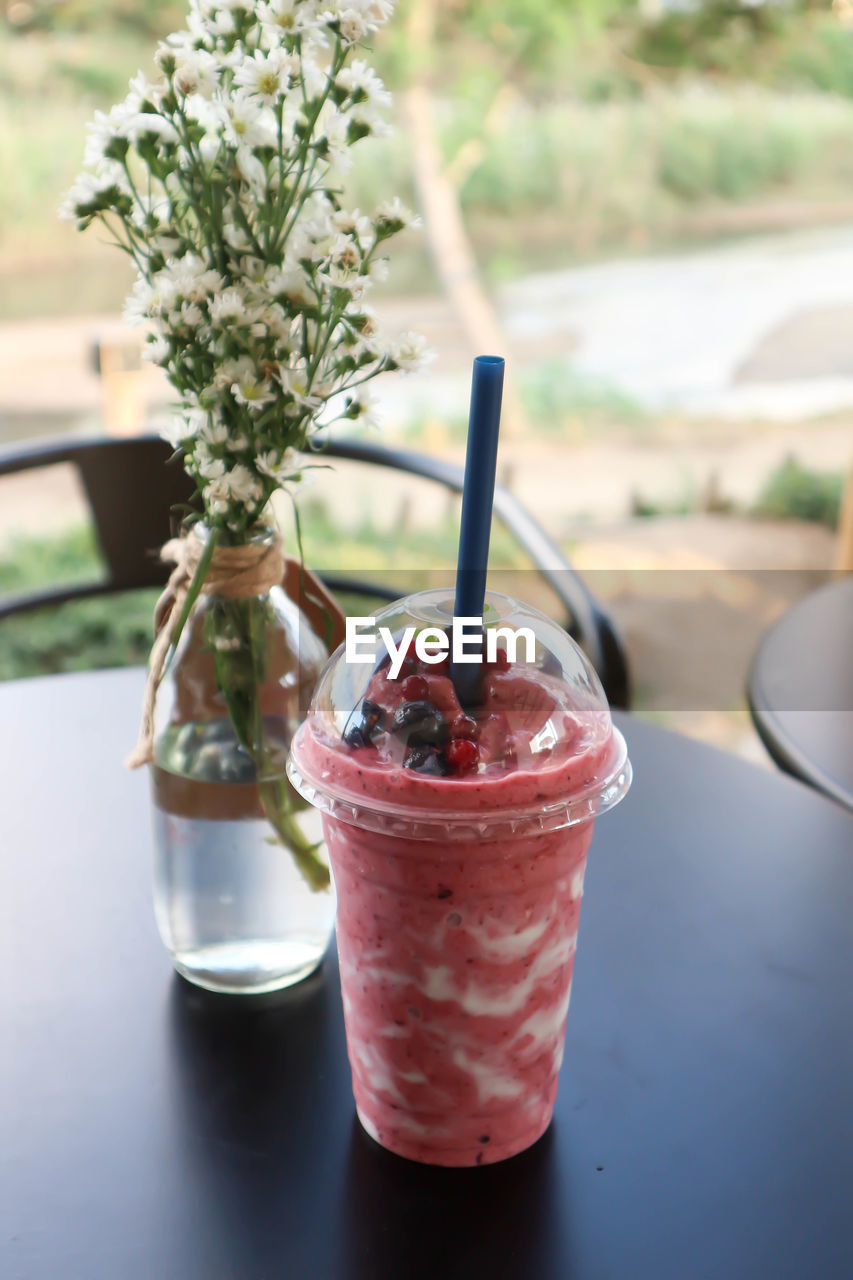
(445, 227)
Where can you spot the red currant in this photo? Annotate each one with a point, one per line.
(462, 755)
(415, 689)
(464, 727)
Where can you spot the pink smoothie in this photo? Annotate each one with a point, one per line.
(457, 935)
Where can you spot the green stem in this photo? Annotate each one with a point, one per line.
(240, 673)
(278, 805)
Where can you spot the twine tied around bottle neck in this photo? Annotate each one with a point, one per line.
(250, 569)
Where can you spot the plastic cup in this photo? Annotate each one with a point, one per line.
(459, 892)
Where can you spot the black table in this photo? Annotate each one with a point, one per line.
(704, 1127)
(800, 691)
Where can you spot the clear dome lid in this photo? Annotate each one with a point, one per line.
(405, 735)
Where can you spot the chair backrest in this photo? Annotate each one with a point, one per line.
(138, 491)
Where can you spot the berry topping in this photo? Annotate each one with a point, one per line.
(462, 755)
(464, 727)
(421, 722)
(354, 736)
(416, 757)
(372, 720)
(373, 717)
(415, 689)
(425, 760)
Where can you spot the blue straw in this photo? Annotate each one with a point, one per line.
(477, 498)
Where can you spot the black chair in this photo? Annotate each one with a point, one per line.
(137, 493)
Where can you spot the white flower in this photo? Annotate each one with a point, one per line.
(291, 283)
(89, 191)
(363, 406)
(184, 427)
(146, 122)
(332, 127)
(190, 316)
(395, 212)
(352, 26)
(236, 238)
(278, 466)
(105, 132)
(288, 16)
(220, 22)
(361, 81)
(213, 431)
(313, 77)
(374, 12)
(250, 167)
(216, 492)
(230, 371)
(294, 380)
(340, 277)
(251, 276)
(148, 301)
(139, 91)
(265, 75)
(173, 432)
(379, 270)
(152, 212)
(227, 305)
(243, 486)
(270, 320)
(410, 352)
(354, 223)
(253, 391)
(157, 349)
(209, 467)
(193, 279)
(248, 123)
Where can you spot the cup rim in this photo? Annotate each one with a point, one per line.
(459, 825)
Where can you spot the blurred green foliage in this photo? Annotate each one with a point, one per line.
(825, 60)
(578, 178)
(101, 632)
(29, 563)
(560, 401)
(151, 18)
(719, 146)
(572, 127)
(795, 492)
(594, 48)
(719, 36)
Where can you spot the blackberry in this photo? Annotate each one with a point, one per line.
(421, 722)
(424, 760)
(354, 736)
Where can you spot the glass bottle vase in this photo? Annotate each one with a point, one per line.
(242, 891)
